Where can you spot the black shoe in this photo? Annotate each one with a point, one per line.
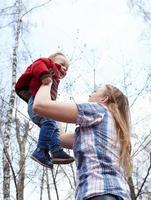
(42, 157)
(61, 157)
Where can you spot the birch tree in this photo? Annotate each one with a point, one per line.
(17, 12)
(17, 8)
(22, 131)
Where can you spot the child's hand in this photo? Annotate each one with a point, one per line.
(63, 71)
(57, 71)
(46, 80)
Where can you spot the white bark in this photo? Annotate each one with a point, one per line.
(6, 167)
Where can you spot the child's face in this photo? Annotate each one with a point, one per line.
(61, 60)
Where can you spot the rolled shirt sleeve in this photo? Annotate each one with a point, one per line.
(89, 114)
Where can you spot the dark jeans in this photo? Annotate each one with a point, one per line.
(49, 132)
(105, 197)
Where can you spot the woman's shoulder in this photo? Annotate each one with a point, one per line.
(92, 106)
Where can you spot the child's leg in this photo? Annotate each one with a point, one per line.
(41, 153)
(44, 137)
(58, 155)
(47, 137)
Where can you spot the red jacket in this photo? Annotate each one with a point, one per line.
(30, 81)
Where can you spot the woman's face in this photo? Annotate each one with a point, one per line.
(98, 95)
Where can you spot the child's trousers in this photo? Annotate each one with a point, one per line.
(49, 132)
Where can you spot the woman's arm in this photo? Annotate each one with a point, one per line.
(67, 139)
(60, 111)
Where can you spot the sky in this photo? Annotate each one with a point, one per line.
(100, 34)
(95, 34)
(106, 33)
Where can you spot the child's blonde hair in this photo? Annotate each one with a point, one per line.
(118, 105)
(52, 56)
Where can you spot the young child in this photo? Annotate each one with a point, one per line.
(40, 72)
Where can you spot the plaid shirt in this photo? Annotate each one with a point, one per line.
(97, 152)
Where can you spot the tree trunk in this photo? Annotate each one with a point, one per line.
(22, 144)
(21, 178)
(6, 167)
(131, 186)
(42, 184)
(48, 185)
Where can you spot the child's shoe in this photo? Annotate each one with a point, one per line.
(61, 157)
(42, 157)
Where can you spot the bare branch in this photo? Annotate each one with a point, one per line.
(142, 145)
(140, 92)
(30, 10)
(67, 177)
(6, 25)
(145, 179)
(54, 182)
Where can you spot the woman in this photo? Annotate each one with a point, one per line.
(101, 141)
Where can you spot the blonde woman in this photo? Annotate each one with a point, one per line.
(101, 142)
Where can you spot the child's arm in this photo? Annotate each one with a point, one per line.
(46, 80)
(60, 111)
(44, 68)
(40, 69)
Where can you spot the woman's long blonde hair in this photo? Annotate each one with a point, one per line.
(118, 105)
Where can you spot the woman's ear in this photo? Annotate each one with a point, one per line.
(104, 99)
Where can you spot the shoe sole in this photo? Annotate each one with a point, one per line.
(62, 161)
(33, 158)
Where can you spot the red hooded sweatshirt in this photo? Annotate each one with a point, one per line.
(30, 81)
